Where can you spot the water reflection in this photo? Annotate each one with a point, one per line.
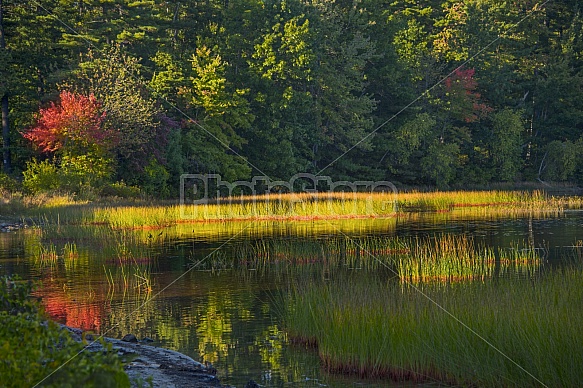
(228, 315)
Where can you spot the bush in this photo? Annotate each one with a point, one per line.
(155, 180)
(120, 190)
(15, 296)
(73, 174)
(33, 349)
(80, 171)
(8, 184)
(41, 176)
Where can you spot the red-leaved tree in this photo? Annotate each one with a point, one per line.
(74, 125)
(73, 130)
(464, 99)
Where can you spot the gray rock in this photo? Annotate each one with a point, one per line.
(166, 368)
(129, 338)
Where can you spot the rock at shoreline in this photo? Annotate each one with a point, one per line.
(163, 367)
(129, 338)
(6, 227)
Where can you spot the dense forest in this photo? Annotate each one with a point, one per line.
(115, 94)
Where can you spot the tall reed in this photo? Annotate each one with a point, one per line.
(46, 255)
(521, 259)
(442, 258)
(445, 258)
(121, 278)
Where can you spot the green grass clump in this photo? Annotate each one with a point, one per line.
(512, 332)
(447, 200)
(520, 259)
(445, 258)
(452, 258)
(46, 255)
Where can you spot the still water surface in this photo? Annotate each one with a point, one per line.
(230, 316)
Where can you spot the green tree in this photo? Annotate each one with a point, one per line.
(440, 163)
(282, 65)
(560, 161)
(344, 112)
(506, 143)
(114, 77)
(102, 24)
(219, 113)
(31, 59)
(406, 145)
(4, 88)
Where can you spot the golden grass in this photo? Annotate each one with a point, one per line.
(293, 207)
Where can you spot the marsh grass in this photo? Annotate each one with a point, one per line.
(109, 243)
(521, 259)
(125, 256)
(70, 251)
(280, 253)
(143, 276)
(46, 255)
(132, 263)
(441, 258)
(380, 329)
(446, 258)
(452, 258)
(339, 205)
(574, 256)
(125, 277)
(297, 207)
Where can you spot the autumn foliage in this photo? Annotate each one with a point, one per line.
(461, 86)
(74, 123)
(73, 130)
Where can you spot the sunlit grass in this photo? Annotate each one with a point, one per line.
(70, 251)
(46, 255)
(521, 259)
(441, 258)
(296, 207)
(445, 258)
(453, 258)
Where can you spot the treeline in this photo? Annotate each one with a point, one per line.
(139, 92)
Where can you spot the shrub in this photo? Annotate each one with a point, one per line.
(120, 189)
(73, 174)
(14, 296)
(84, 170)
(8, 184)
(155, 179)
(40, 176)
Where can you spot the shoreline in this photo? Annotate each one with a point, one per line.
(151, 365)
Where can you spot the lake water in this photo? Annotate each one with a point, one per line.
(167, 284)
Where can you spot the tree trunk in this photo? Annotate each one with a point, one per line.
(6, 136)
(4, 106)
